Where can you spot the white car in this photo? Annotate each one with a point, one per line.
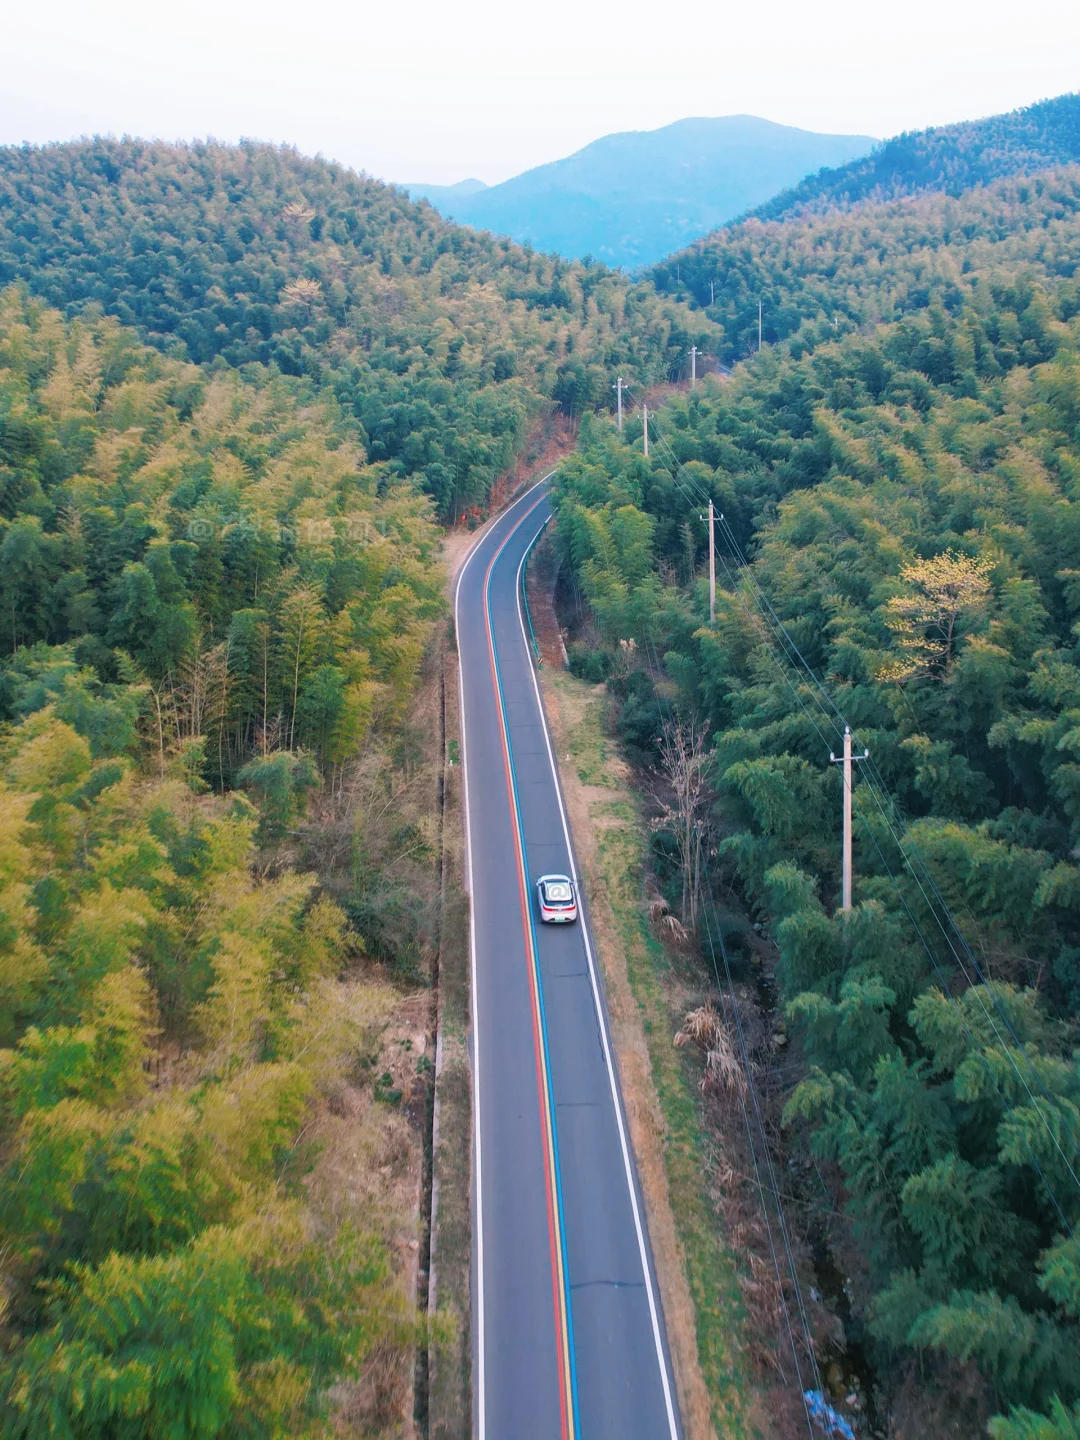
(558, 902)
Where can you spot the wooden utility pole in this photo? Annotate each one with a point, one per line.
(712, 568)
(693, 366)
(617, 387)
(645, 426)
(846, 760)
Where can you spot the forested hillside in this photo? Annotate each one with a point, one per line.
(172, 1022)
(874, 263)
(273, 588)
(205, 588)
(441, 343)
(907, 491)
(238, 391)
(949, 158)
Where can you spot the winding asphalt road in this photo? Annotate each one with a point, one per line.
(569, 1339)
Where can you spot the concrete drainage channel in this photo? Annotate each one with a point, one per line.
(442, 1399)
(425, 1289)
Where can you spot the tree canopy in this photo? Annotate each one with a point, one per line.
(440, 343)
(845, 270)
(166, 1020)
(949, 158)
(226, 535)
(206, 586)
(907, 495)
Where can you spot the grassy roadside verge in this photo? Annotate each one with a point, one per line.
(698, 1274)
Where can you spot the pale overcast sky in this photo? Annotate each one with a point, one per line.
(437, 92)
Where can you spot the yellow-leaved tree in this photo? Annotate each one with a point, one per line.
(942, 596)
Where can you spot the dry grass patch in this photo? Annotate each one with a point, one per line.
(367, 1145)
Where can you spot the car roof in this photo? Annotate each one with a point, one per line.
(563, 879)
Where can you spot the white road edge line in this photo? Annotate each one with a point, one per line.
(478, 1368)
(601, 1018)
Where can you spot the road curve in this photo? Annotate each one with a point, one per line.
(569, 1339)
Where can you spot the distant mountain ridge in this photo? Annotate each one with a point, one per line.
(440, 195)
(631, 198)
(948, 158)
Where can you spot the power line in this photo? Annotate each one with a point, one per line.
(819, 693)
(911, 853)
(744, 1055)
(977, 989)
(892, 828)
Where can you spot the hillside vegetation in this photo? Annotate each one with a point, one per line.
(441, 344)
(875, 263)
(203, 585)
(908, 493)
(238, 391)
(273, 588)
(629, 199)
(949, 158)
(165, 1271)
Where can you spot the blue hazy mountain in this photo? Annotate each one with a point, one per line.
(443, 195)
(631, 198)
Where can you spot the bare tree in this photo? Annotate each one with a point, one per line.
(683, 760)
(193, 700)
(201, 690)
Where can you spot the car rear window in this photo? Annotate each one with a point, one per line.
(558, 891)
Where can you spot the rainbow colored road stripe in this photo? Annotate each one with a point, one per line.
(564, 1324)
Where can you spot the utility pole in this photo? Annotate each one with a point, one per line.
(712, 568)
(617, 387)
(846, 760)
(759, 305)
(712, 562)
(712, 292)
(645, 426)
(693, 366)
